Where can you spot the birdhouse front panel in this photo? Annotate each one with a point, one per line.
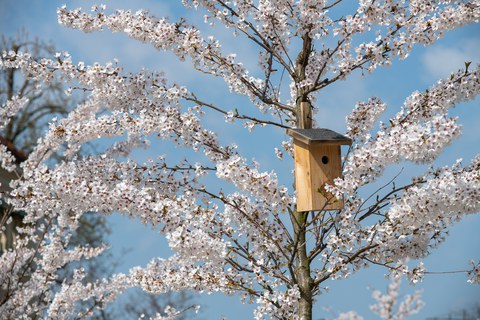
(316, 165)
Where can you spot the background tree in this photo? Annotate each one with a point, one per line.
(469, 313)
(25, 127)
(250, 241)
(20, 137)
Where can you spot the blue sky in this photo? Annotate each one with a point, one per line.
(442, 293)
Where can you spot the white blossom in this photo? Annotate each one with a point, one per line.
(390, 307)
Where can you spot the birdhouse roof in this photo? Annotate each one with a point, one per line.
(319, 135)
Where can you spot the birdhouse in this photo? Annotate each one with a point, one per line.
(318, 162)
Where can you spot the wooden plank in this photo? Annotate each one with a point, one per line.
(304, 115)
(302, 176)
(326, 165)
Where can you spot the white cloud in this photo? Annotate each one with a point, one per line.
(440, 61)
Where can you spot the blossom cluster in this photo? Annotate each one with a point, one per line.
(423, 121)
(138, 105)
(389, 306)
(184, 40)
(430, 207)
(104, 292)
(7, 159)
(474, 274)
(363, 118)
(287, 300)
(386, 306)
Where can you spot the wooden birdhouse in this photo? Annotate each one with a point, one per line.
(318, 161)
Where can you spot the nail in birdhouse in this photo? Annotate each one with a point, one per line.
(318, 159)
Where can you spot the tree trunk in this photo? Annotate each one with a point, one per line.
(302, 268)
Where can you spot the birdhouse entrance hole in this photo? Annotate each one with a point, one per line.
(324, 159)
